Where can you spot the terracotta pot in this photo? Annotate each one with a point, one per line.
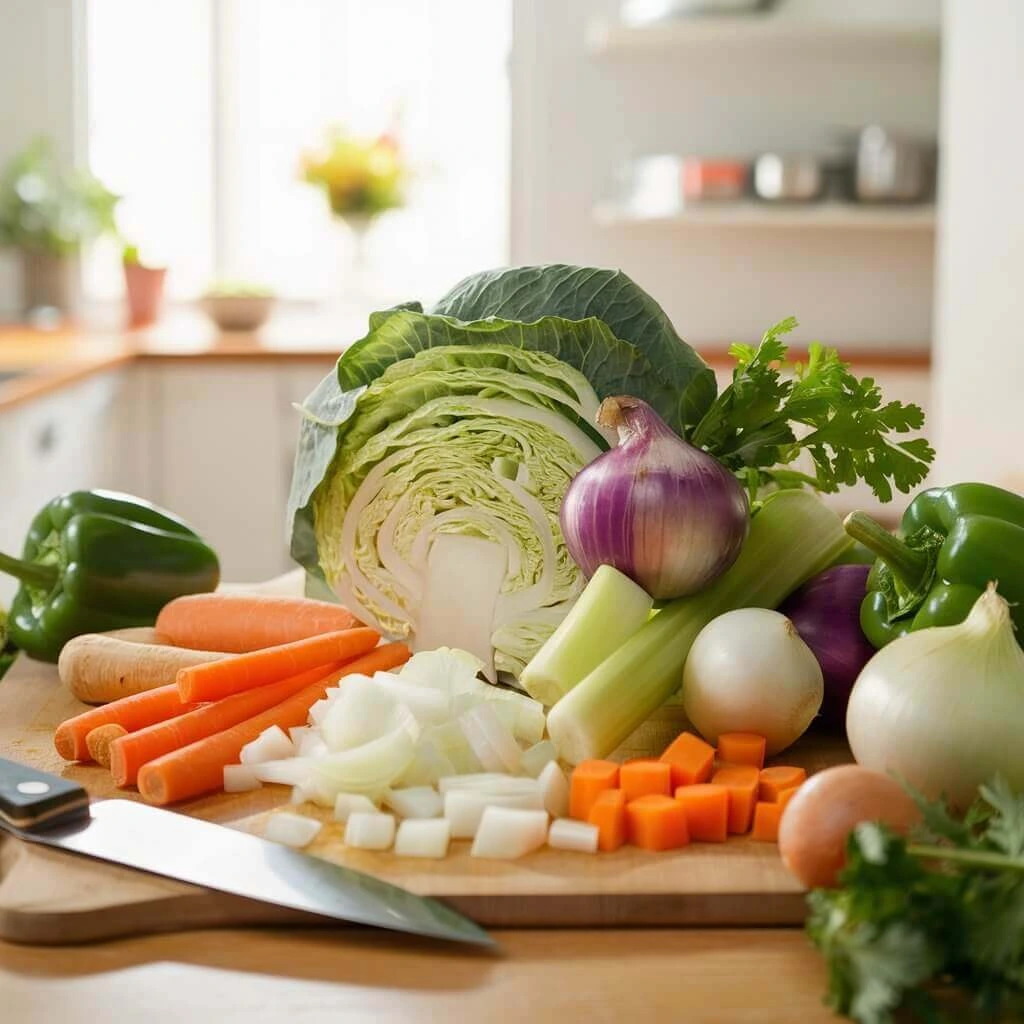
(48, 281)
(145, 290)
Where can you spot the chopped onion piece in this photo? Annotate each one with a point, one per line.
(296, 732)
(451, 741)
(554, 789)
(429, 766)
(464, 808)
(567, 834)
(506, 833)
(347, 804)
(319, 709)
(423, 838)
(415, 802)
(364, 831)
(533, 760)
(240, 778)
(289, 771)
(371, 768)
(292, 829)
(492, 741)
(488, 782)
(271, 745)
(429, 706)
(312, 745)
(364, 712)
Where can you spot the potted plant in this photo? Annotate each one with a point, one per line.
(361, 177)
(48, 213)
(144, 287)
(237, 305)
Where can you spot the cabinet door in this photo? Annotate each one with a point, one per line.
(59, 442)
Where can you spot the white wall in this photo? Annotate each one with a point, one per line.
(979, 369)
(576, 118)
(37, 95)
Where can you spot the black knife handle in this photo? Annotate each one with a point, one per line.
(31, 799)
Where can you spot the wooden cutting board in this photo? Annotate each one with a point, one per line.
(47, 896)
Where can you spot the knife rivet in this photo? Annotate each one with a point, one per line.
(33, 788)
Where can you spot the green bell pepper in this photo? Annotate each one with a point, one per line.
(953, 541)
(95, 561)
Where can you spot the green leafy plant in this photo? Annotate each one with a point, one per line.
(45, 208)
(7, 649)
(939, 920)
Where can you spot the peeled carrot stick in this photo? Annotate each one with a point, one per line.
(199, 767)
(238, 623)
(130, 713)
(219, 679)
(129, 753)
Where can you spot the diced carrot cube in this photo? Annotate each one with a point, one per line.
(778, 778)
(707, 811)
(741, 748)
(741, 780)
(608, 813)
(642, 778)
(692, 759)
(785, 796)
(589, 780)
(656, 822)
(766, 821)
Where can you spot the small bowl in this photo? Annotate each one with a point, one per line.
(237, 312)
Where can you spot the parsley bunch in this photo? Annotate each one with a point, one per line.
(772, 412)
(936, 927)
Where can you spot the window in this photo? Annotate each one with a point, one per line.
(198, 111)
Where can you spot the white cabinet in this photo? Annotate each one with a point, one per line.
(65, 441)
(223, 438)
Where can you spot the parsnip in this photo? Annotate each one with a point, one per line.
(101, 667)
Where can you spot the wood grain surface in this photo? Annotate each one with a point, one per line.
(739, 882)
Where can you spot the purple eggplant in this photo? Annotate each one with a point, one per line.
(826, 614)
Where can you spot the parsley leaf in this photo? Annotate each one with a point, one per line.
(772, 412)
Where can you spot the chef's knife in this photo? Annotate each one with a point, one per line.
(41, 808)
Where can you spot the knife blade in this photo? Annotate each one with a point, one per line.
(41, 808)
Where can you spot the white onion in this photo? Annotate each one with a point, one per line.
(271, 745)
(240, 778)
(554, 788)
(506, 833)
(534, 758)
(423, 838)
(415, 802)
(944, 707)
(364, 831)
(347, 804)
(292, 829)
(749, 671)
(465, 808)
(492, 741)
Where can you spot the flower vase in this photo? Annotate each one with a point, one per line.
(355, 281)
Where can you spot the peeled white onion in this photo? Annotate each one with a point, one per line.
(749, 671)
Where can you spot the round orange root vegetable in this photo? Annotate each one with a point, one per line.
(818, 820)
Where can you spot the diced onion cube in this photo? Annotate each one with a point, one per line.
(498, 782)
(240, 778)
(415, 802)
(296, 732)
(292, 829)
(312, 745)
(567, 834)
(347, 804)
(364, 831)
(318, 710)
(465, 808)
(554, 788)
(271, 745)
(506, 833)
(533, 759)
(423, 837)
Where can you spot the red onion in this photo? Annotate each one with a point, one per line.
(826, 614)
(660, 511)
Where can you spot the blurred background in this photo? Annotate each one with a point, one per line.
(201, 201)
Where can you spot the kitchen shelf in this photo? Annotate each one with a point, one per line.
(830, 216)
(771, 32)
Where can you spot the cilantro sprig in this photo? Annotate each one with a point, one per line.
(772, 411)
(933, 927)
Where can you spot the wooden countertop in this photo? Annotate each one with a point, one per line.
(52, 360)
(266, 977)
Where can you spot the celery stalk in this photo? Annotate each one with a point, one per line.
(608, 612)
(792, 537)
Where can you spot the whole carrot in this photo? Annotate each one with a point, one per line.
(130, 752)
(219, 679)
(238, 623)
(130, 713)
(199, 767)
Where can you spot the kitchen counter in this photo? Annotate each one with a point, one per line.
(46, 361)
(265, 977)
